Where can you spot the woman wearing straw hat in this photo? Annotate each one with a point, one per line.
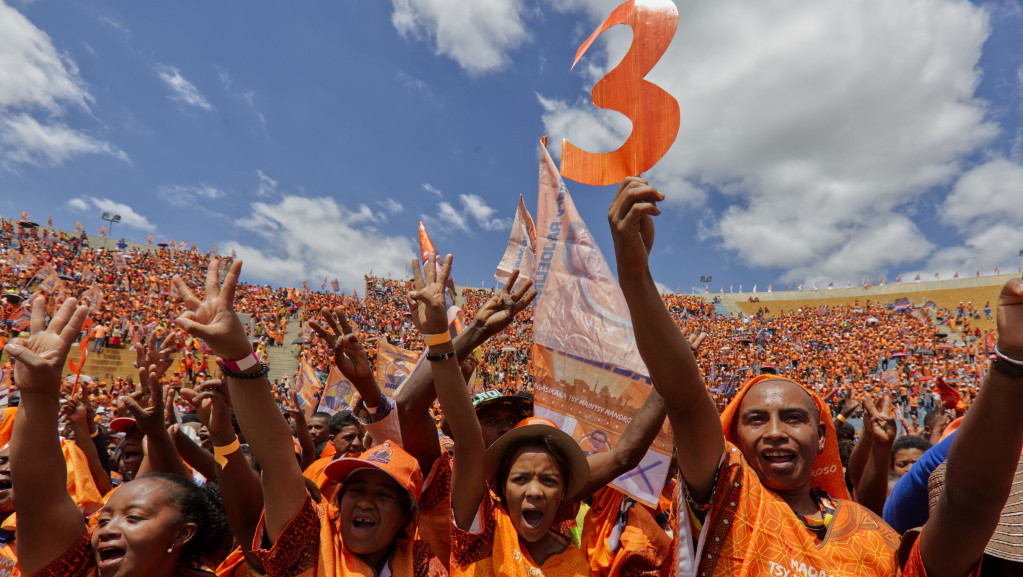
(533, 469)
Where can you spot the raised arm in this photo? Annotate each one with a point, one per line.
(667, 355)
(239, 483)
(49, 522)
(305, 438)
(215, 321)
(418, 394)
(880, 431)
(983, 458)
(349, 355)
(162, 454)
(468, 473)
(79, 413)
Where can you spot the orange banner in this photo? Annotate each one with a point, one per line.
(654, 113)
(520, 252)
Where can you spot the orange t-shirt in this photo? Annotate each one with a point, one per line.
(496, 552)
(621, 537)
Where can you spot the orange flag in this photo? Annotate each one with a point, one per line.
(949, 396)
(654, 113)
(425, 244)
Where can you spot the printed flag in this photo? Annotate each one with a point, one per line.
(103, 231)
(337, 393)
(49, 221)
(324, 285)
(119, 261)
(519, 254)
(52, 283)
(24, 215)
(150, 239)
(306, 385)
(182, 245)
(394, 365)
(587, 370)
(79, 227)
(93, 296)
(335, 285)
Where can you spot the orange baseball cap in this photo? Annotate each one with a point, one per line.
(391, 459)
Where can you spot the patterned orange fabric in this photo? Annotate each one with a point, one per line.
(310, 546)
(827, 472)
(915, 564)
(75, 562)
(617, 546)
(752, 531)
(7, 559)
(435, 510)
(496, 551)
(234, 565)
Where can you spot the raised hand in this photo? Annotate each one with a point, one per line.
(1010, 320)
(214, 319)
(78, 410)
(426, 302)
(155, 361)
(881, 423)
(632, 224)
(212, 403)
(349, 355)
(40, 358)
(911, 429)
(150, 419)
(497, 313)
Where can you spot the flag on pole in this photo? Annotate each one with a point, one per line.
(49, 221)
(324, 285)
(182, 245)
(335, 285)
(520, 252)
(583, 342)
(150, 239)
(103, 231)
(425, 244)
(24, 216)
(79, 227)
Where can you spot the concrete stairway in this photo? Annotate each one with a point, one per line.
(282, 360)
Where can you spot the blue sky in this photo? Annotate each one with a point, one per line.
(821, 141)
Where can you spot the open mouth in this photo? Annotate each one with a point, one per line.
(532, 518)
(5, 483)
(779, 457)
(110, 556)
(363, 523)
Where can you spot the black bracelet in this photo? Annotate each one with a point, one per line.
(1011, 370)
(262, 372)
(441, 357)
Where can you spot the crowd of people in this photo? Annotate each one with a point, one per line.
(196, 464)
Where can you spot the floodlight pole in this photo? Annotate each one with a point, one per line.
(110, 231)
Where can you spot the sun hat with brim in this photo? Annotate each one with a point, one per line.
(123, 424)
(1007, 540)
(390, 459)
(495, 398)
(536, 427)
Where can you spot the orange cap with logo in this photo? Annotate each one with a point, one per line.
(386, 457)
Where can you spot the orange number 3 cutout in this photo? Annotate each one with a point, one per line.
(654, 113)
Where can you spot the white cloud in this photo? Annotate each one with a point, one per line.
(181, 89)
(37, 86)
(25, 140)
(129, 217)
(312, 238)
(477, 35)
(473, 209)
(822, 122)
(267, 185)
(392, 206)
(189, 195)
(447, 215)
(431, 188)
(985, 209)
(482, 213)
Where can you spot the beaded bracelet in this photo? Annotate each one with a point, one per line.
(262, 372)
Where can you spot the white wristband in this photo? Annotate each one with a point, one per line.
(239, 365)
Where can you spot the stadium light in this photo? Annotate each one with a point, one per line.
(110, 219)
